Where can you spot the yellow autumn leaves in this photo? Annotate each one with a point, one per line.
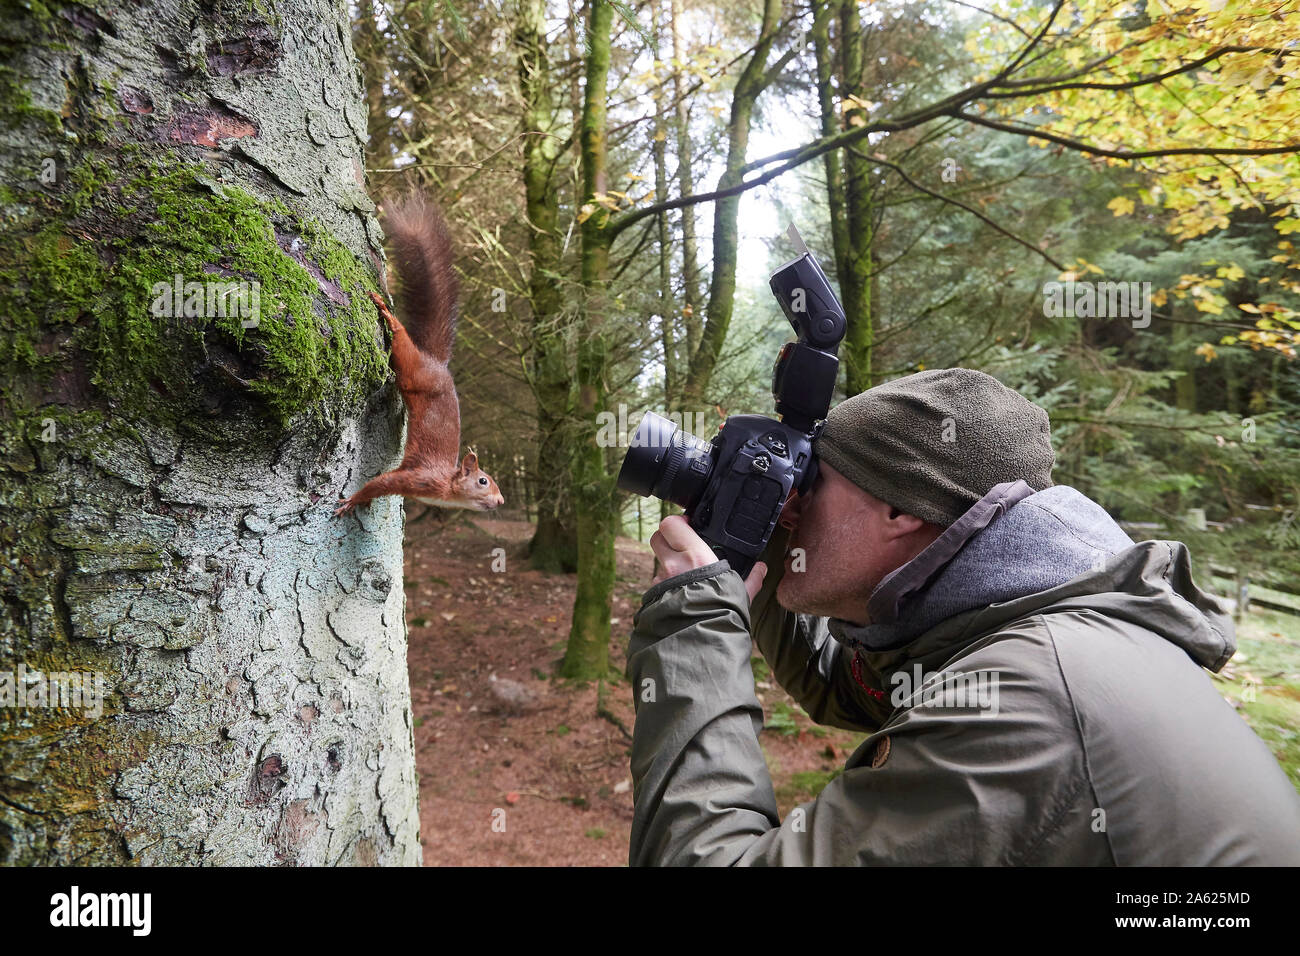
(1165, 75)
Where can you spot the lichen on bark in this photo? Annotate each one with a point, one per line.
(168, 482)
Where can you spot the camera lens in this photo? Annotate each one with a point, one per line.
(666, 462)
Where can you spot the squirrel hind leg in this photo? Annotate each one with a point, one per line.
(414, 373)
(386, 314)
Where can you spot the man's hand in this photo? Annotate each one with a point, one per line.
(680, 549)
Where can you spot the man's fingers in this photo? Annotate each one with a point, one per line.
(679, 548)
(671, 561)
(679, 534)
(754, 581)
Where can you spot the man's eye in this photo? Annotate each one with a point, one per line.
(482, 481)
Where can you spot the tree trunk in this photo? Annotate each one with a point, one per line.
(855, 268)
(587, 654)
(691, 311)
(172, 478)
(667, 314)
(369, 44)
(1185, 340)
(830, 126)
(722, 288)
(554, 545)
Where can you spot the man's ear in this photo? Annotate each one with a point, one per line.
(900, 523)
(469, 464)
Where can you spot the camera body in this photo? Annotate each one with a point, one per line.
(734, 487)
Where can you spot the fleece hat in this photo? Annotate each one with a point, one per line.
(934, 443)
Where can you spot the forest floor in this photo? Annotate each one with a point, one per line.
(550, 772)
(530, 769)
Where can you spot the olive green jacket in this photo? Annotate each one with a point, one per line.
(1068, 724)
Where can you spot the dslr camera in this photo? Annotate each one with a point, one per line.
(734, 487)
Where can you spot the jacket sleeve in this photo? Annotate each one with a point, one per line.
(700, 784)
(702, 791)
(805, 659)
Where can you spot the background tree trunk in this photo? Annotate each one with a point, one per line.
(691, 313)
(853, 265)
(554, 545)
(586, 655)
(173, 478)
(830, 125)
(722, 288)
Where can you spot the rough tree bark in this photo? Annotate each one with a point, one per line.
(168, 482)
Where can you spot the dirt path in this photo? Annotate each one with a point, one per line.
(521, 769)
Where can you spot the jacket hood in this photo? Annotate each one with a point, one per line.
(1017, 553)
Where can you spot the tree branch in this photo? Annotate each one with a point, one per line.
(1126, 153)
(961, 205)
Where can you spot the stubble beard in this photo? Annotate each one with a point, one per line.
(792, 593)
(809, 591)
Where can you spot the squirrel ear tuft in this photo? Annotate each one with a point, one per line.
(470, 463)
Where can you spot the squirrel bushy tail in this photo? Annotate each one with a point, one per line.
(428, 289)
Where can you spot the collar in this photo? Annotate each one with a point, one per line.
(887, 598)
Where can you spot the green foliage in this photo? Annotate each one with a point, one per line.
(805, 785)
(1263, 682)
(782, 720)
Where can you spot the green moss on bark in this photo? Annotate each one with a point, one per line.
(313, 348)
(16, 104)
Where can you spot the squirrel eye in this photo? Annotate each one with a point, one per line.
(482, 481)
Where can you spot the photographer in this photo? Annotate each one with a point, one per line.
(1031, 679)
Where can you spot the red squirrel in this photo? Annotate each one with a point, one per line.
(428, 299)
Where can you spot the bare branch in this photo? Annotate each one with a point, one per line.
(996, 16)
